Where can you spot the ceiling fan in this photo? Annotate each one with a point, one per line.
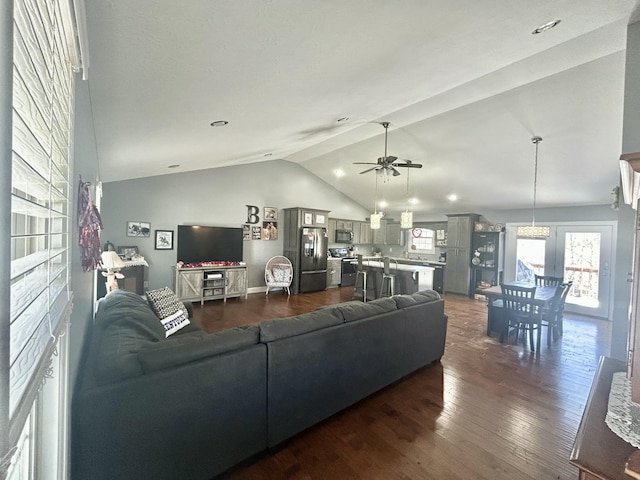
(387, 163)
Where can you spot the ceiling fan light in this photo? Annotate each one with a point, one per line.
(374, 221)
(406, 219)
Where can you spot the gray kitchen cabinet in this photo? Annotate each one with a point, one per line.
(365, 233)
(334, 272)
(331, 230)
(457, 275)
(394, 234)
(380, 234)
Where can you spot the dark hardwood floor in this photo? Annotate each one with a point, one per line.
(486, 411)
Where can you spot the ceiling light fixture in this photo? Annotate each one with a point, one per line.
(406, 217)
(452, 197)
(546, 26)
(219, 123)
(374, 219)
(534, 231)
(342, 119)
(175, 165)
(338, 172)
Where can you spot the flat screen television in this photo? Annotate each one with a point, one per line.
(198, 243)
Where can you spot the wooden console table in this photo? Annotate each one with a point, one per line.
(599, 453)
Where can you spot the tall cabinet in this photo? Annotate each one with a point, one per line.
(458, 270)
(487, 260)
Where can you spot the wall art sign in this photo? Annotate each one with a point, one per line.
(164, 239)
(138, 229)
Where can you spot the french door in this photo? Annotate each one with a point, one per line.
(581, 253)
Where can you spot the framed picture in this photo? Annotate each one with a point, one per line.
(164, 239)
(128, 252)
(307, 218)
(320, 218)
(270, 213)
(138, 229)
(269, 230)
(246, 232)
(256, 233)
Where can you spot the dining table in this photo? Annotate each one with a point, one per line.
(543, 297)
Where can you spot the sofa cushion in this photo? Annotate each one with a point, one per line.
(165, 302)
(276, 328)
(425, 296)
(195, 346)
(356, 310)
(403, 301)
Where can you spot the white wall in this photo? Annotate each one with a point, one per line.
(217, 197)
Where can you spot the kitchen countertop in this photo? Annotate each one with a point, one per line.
(401, 266)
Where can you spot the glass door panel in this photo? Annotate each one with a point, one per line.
(530, 254)
(584, 255)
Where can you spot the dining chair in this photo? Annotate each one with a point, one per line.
(560, 312)
(548, 280)
(520, 312)
(550, 313)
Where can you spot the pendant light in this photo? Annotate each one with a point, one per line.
(406, 217)
(374, 220)
(534, 231)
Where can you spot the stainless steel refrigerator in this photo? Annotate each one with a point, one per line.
(313, 259)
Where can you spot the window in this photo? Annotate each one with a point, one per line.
(44, 48)
(422, 240)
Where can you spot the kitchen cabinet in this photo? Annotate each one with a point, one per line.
(331, 230)
(394, 234)
(344, 224)
(379, 235)
(334, 272)
(487, 258)
(458, 270)
(365, 233)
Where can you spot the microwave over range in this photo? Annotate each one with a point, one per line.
(344, 236)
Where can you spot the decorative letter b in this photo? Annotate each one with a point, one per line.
(252, 214)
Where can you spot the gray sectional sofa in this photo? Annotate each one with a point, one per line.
(192, 405)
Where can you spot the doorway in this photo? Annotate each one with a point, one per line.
(582, 253)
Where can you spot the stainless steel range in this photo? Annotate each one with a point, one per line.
(349, 265)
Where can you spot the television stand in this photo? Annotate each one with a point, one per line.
(210, 283)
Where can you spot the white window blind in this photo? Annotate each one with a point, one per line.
(43, 89)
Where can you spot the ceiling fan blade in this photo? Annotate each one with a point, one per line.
(408, 165)
(364, 163)
(389, 159)
(368, 170)
(395, 172)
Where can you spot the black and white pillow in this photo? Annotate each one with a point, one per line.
(164, 302)
(174, 322)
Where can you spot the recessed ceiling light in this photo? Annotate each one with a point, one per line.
(219, 123)
(452, 198)
(338, 172)
(413, 201)
(175, 165)
(546, 26)
(382, 203)
(268, 154)
(342, 119)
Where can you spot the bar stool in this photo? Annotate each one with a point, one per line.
(388, 284)
(361, 274)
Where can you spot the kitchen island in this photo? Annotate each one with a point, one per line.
(409, 278)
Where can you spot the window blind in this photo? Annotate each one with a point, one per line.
(43, 99)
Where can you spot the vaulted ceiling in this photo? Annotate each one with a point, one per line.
(464, 83)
